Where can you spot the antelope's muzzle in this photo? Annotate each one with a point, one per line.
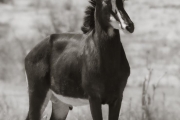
(120, 19)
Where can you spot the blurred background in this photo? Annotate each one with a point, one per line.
(153, 90)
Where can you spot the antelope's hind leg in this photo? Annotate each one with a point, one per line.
(59, 109)
(114, 109)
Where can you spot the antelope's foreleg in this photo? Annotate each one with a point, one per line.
(114, 109)
(95, 106)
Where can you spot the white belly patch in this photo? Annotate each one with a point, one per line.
(70, 100)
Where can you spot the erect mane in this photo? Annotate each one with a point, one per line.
(89, 24)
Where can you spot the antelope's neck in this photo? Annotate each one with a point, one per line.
(110, 50)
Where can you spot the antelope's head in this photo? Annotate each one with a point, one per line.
(113, 11)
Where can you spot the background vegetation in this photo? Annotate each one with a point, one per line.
(153, 91)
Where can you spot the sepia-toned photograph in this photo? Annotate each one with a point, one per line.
(89, 60)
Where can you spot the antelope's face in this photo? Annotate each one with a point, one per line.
(118, 18)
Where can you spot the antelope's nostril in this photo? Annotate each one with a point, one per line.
(130, 27)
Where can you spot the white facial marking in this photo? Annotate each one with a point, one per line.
(114, 22)
(70, 100)
(123, 24)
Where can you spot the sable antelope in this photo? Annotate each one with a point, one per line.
(73, 69)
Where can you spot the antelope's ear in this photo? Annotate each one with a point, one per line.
(113, 3)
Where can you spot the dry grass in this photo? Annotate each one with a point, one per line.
(13, 102)
(8, 109)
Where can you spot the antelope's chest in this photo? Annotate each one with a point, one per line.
(104, 84)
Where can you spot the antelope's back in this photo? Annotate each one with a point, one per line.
(44, 56)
